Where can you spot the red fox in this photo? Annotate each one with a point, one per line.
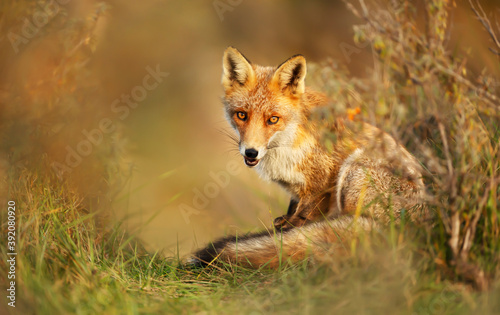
(366, 176)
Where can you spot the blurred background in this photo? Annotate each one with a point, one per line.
(122, 100)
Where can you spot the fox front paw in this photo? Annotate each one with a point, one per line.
(288, 221)
(280, 222)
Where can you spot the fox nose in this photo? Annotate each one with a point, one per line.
(251, 153)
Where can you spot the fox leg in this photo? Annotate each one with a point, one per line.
(303, 211)
(292, 207)
(282, 220)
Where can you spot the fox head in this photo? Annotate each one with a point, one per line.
(265, 105)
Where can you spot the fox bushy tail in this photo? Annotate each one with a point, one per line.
(270, 249)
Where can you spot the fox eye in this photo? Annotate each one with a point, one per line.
(241, 116)
(273, 120)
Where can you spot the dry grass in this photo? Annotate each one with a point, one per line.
(424, 96)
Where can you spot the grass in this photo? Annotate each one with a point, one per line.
(67, 264)
(74, 258)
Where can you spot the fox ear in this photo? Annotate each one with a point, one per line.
(236, 68)
(291, 74)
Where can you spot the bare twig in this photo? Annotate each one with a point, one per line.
(492, 99)
(481, 15)
(452, 190)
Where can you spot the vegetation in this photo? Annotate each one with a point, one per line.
(72, 259)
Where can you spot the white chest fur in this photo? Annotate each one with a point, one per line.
(280, 164)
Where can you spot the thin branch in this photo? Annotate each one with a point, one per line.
(481, 15)
(491, 99)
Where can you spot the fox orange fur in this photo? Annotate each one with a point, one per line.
(367, 172)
